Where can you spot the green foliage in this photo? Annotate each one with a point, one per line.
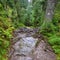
(58, 56)
(6, 29)
(54, 40)
(38, 12)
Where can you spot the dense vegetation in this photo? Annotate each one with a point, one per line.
(21, 13)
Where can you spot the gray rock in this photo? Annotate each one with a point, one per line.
(28, 47)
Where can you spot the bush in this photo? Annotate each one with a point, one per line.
(54, 40)
(6, 29)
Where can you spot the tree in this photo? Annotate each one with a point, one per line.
(49, 13)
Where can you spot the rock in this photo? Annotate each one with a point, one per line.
(28, 45)
(42, 52)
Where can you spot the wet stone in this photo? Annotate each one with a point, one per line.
(24, 47)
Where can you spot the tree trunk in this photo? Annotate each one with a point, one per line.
(49, 13)
(50, 10)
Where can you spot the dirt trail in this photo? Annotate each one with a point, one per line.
(27, 44)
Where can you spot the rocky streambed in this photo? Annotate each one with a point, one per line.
(28, 44)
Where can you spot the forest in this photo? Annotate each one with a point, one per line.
(40, 14)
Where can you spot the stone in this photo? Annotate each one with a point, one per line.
(27, 47)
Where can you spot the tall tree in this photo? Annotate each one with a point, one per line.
(49, 12)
